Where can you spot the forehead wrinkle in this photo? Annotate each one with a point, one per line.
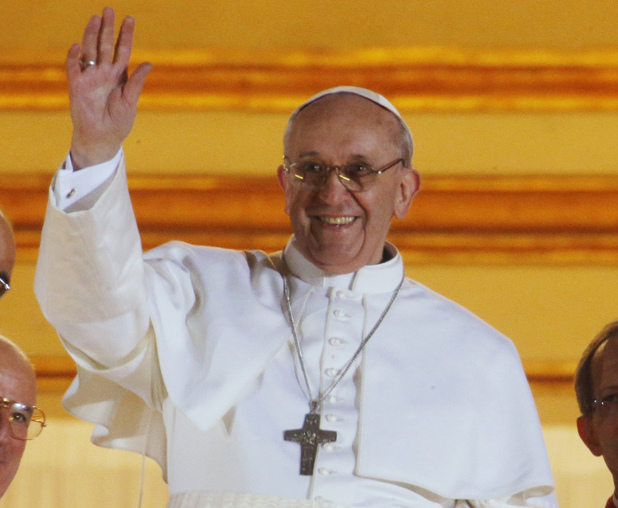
(314, 153)
(309, 153)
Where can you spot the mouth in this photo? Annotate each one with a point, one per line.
(336, 221)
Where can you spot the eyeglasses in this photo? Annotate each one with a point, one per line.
(607, 406)
(355, 176)
(4, 286)
(25, 422)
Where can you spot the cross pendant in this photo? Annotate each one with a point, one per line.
(309, 437)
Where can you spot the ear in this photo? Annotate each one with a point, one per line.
(587, 432)
(284, 183)
(408, 187)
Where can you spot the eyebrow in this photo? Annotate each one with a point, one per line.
(613, 388)
(27, 407)
(308, 154)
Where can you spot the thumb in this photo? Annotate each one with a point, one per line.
(133, 87)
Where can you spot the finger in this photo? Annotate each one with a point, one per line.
(135, 84)
(73, 66)
(90, 38)
(124, 45)
(106, 36)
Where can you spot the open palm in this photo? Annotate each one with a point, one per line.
(102, 95)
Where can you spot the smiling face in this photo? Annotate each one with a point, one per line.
(338, 230)
(18, 383)
(599, 431)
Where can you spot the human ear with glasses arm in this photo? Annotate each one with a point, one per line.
(596, 387)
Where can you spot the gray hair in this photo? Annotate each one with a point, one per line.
(584, 387)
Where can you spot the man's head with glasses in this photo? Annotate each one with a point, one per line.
(7, 254)
(20, 419)
(346, 172)
(596, 387)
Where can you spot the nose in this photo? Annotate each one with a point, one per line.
(333, 189)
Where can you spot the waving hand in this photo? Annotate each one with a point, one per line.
(102, 95)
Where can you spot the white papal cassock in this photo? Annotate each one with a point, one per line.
(186, 352)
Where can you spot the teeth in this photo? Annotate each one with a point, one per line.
(337, 220)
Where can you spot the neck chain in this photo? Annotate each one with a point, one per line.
(310, 435)
(315, 403)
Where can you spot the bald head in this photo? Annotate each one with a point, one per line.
(17, 383)
(7, 249)
(398, 131)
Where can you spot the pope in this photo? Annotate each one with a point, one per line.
(316, 376)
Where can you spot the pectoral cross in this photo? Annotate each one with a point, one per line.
(309, 437)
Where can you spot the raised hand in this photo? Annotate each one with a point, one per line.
(102, 95)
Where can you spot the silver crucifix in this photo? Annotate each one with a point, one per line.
(309, 437)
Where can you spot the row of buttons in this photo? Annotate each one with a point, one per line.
(336, 342)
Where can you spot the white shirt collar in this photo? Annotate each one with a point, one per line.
(380, 278)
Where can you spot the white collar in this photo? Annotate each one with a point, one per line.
(380, 278)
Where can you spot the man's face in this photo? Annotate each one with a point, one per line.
(600, 430)
(18, 383)
(7, 250)
(338, 230)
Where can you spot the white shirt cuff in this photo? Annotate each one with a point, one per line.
(70, 186)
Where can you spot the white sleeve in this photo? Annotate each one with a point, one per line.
(70, 187)
(90, 274)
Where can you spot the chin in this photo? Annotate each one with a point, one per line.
(335, 266)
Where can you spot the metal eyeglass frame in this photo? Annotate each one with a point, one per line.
(38, 418)
(4, 286)
(289, 168)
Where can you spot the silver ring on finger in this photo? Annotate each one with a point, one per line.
(84, 64)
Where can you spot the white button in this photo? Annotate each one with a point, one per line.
(335, 341)
(329, 447)
(332, 372)
(341, 314)
(332, 418)
(345, 295)
(324, 472)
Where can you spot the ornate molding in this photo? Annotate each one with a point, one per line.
(416, 79)
(463, 220)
